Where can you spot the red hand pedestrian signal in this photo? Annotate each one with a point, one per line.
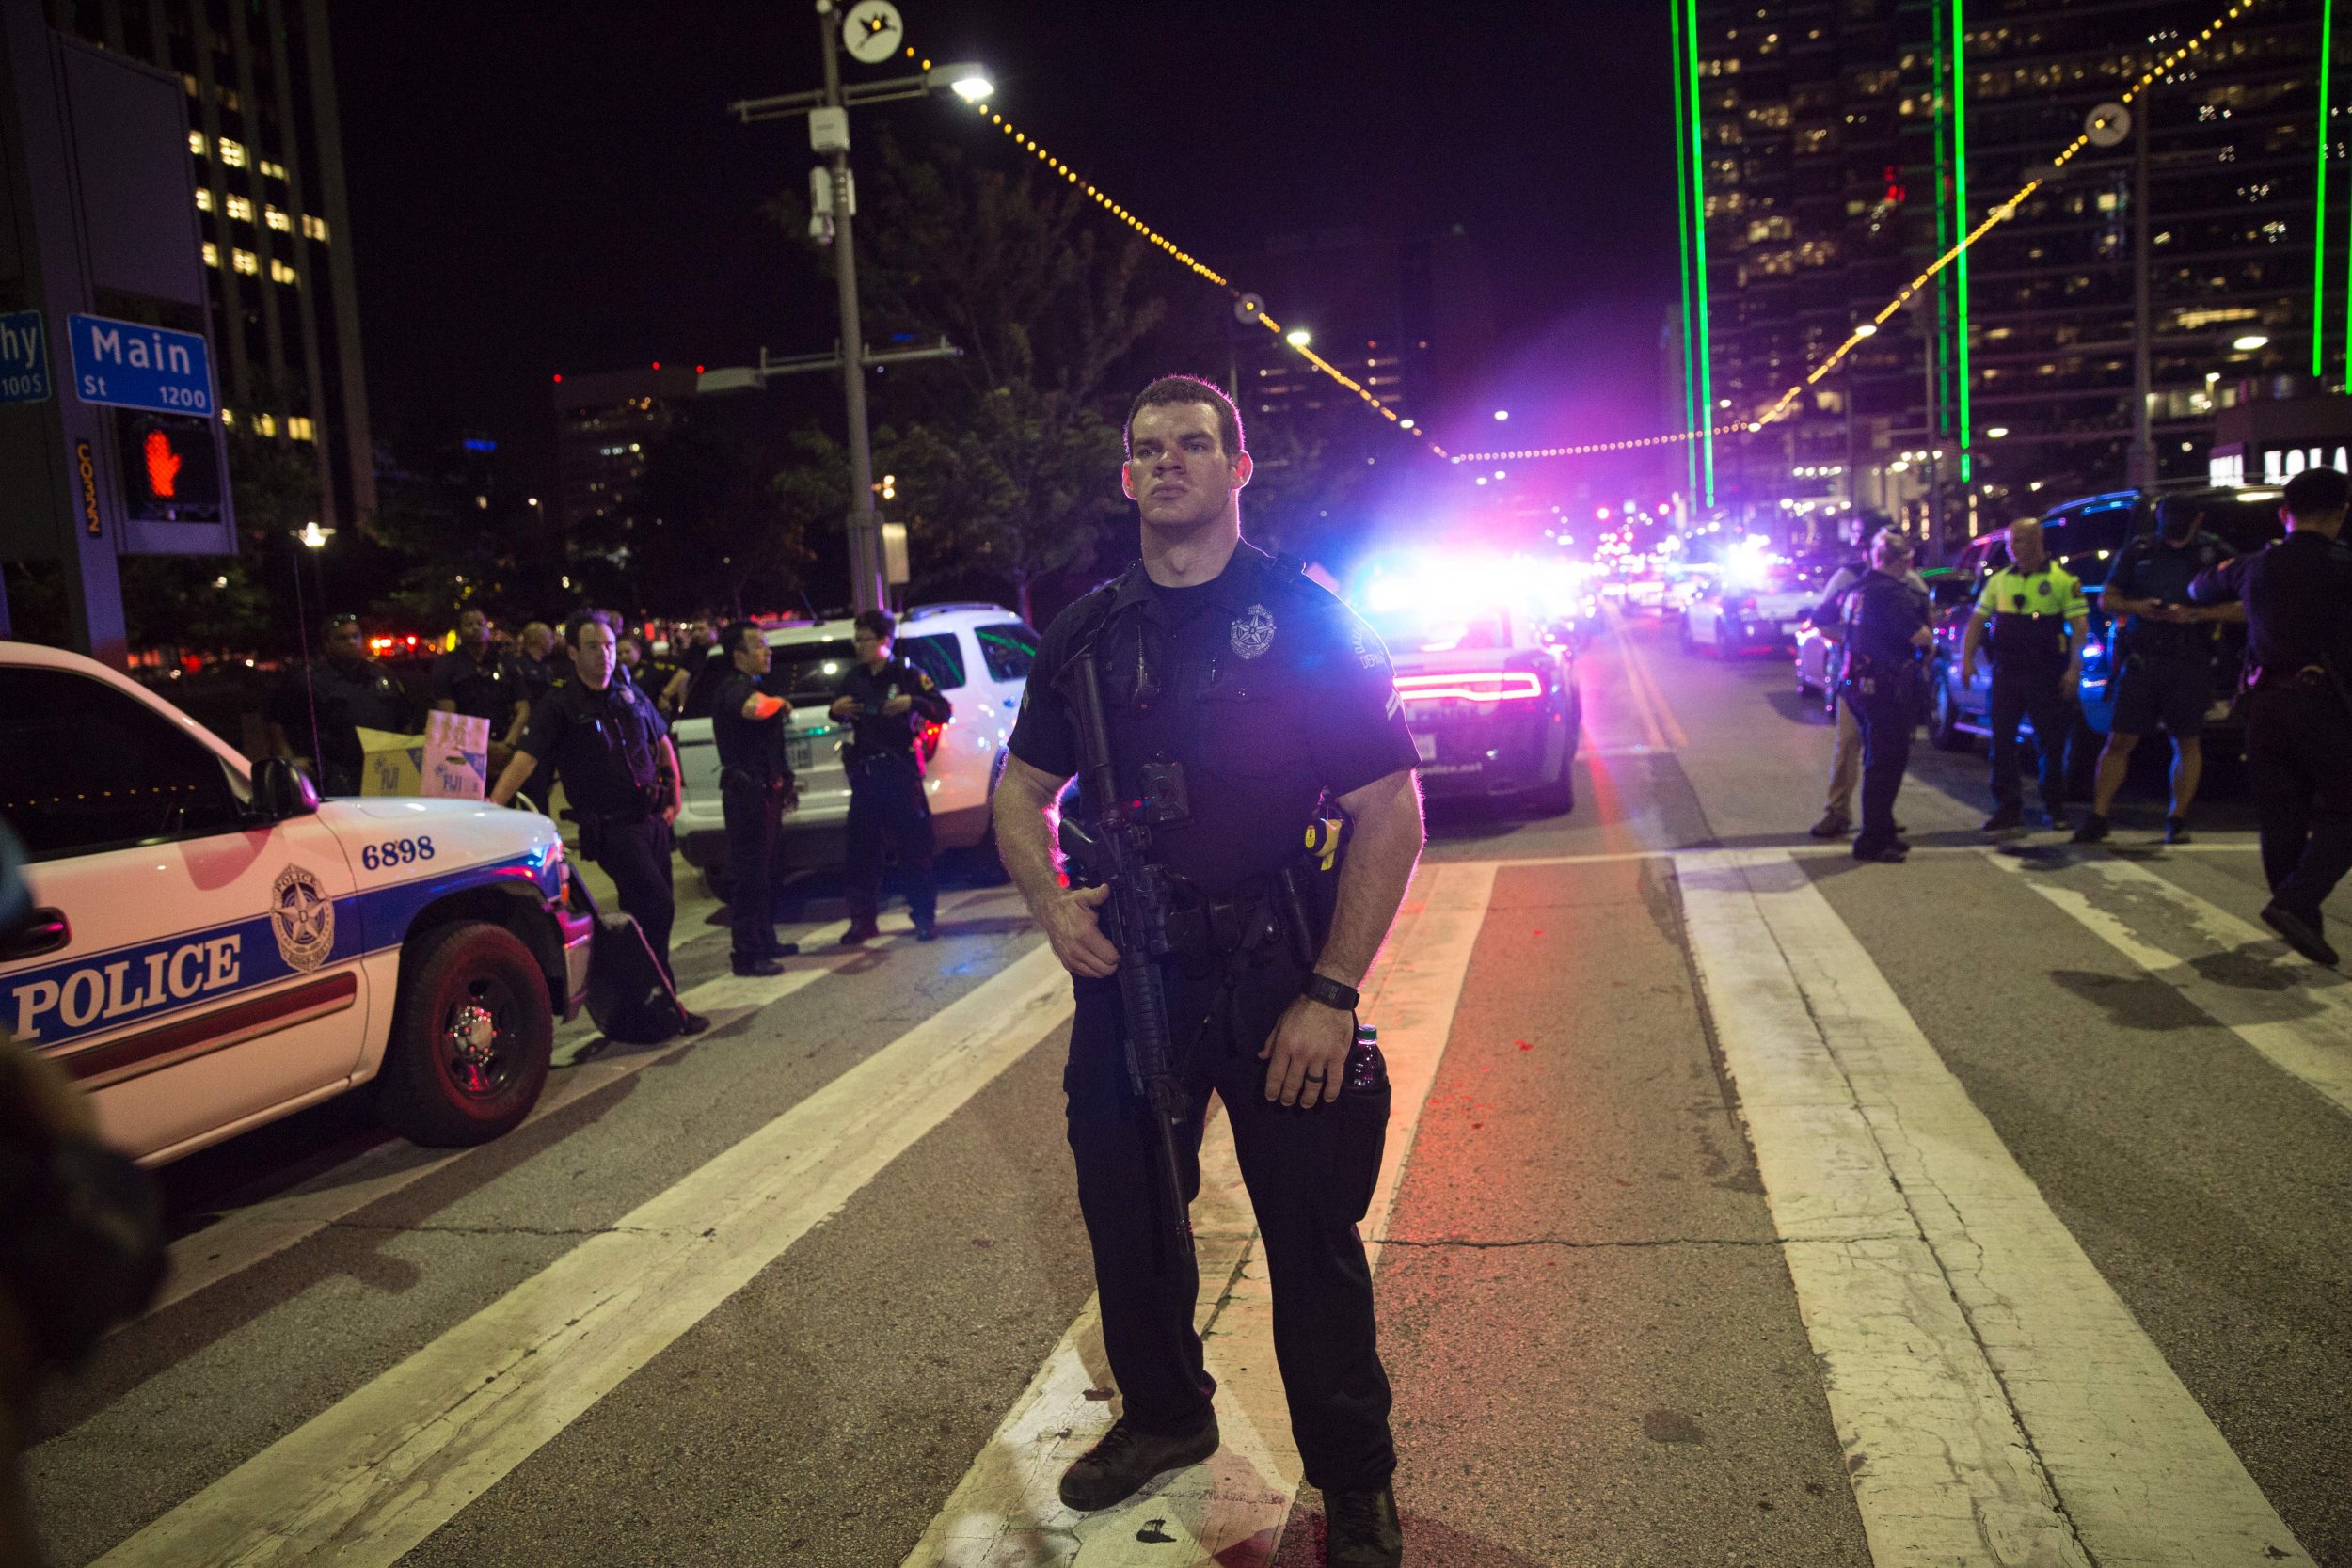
(163, 464)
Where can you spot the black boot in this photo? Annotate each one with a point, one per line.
(1360, 1529)
(1125, 1462)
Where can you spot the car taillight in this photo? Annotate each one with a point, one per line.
(1480, 686)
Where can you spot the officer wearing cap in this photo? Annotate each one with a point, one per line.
(755, 789)
(611, 752)
(1239, 696)
(2297, 596)
(2038, 616)
(333, 701)
(883, 701)
(479, 680)
(2161, 651)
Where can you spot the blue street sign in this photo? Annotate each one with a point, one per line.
(125, 365)
(24, 357)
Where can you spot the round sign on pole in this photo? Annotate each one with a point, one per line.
(1249, 307)
(2107, 125)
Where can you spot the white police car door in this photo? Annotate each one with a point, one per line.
(207, 970)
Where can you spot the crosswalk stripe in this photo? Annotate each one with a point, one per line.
(366, 1481)
(1997, 1402)
(1005, 1512)
(2306, 1031)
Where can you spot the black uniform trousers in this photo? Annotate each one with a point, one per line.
(2299, 760)
(636, 855)
(1885, 709)
(2037, 692)
(887, 807)
(1303, 1169)
(754, 820)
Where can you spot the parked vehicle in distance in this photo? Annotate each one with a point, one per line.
(1745, 615)
(977, 655)
(215, 947)
(1491, 694)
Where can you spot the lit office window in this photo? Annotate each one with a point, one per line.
(212, 254)
(278, 220)
(245, 261)
(276, 171)
(280, 273)
(299, 427)
(240, 207)
(266, 424)
(313, 228)
(232, 152)
(203, 199)
(229, 417)
(196, 143)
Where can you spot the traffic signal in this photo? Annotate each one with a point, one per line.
(171, 472)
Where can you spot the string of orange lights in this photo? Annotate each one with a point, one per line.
(1868, 329)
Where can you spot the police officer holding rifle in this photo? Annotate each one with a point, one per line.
(1217, 703)
(2297, 595)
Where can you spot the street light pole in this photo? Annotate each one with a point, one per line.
(863, 522)
(2139, 466)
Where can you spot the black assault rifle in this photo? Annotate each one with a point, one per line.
(1114, 851)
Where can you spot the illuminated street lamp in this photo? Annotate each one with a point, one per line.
(2249, 342)
(1299, 337)
(869, 33)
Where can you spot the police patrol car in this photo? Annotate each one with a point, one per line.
(212, 947)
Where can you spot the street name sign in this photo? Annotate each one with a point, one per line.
(128, 365)
(24, 357)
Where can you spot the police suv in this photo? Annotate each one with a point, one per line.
(213, 947)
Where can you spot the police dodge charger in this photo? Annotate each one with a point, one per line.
(1487, 681)
(212, 947)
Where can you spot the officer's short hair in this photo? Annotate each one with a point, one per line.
(340, 619)
(1172, 389)
(731, 635)
(586, 618)
(876, 621)
(2316, 492)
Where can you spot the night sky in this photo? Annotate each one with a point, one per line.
(538, 188)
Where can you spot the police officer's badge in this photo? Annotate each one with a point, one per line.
(302, 916)
(1253, 634)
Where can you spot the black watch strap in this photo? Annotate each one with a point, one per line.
(1323, 989)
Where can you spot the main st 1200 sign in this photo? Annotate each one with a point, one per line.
(127, 365)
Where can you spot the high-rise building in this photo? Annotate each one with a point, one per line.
(1840, 146)
(605, 426)
(275, 228)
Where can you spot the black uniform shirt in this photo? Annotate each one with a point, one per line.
(1881, 615)
(753, 746)
(2298, 602)
(603, 744)
(874, 733)
(349, 699)
(1265, 687)
(2149, 568)
(487, 689)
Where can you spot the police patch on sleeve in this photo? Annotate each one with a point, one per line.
(1369, 651)
(303, 918)
(1253, 633)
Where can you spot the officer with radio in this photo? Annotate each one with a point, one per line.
(1886, 624)
(2038, 616)
(2297, 596)
(755, 789)
(1235, 699)
(328, 703)
(885, 701)
(603, 740)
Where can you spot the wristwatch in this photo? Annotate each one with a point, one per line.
(1323, 989)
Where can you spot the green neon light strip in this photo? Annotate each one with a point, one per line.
(1698, 255)
(2319, 229)
(1963, 424)
(1683, 173)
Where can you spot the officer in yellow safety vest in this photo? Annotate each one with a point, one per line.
(2038, 616)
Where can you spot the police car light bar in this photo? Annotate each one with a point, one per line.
(1481, 685)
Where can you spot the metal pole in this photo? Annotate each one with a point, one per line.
(1934, 541)
(2139, 467)
(865, 524)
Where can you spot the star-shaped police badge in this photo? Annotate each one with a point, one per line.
(1253, 634)
(302, 917)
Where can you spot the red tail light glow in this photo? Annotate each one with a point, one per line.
(1477, 685)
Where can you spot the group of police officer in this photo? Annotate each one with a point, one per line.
(2166, 593)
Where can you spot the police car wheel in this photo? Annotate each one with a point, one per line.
(471, 1040)
(1943, 730)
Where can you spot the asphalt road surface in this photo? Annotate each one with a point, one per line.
(1743, 1206)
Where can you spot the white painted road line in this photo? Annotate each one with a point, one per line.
(260, 1231)
(2305, 1030)
(1997, 1402)
(364, 1482)
(1005, 1512)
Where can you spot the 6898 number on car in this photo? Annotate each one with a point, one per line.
(400, 852)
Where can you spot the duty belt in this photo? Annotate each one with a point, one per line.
(738, 778)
